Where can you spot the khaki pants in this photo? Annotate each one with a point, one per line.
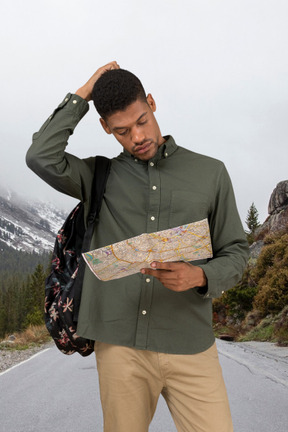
(131, 381)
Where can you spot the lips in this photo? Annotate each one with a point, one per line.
(143, 149)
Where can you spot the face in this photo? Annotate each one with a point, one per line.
(136, 128)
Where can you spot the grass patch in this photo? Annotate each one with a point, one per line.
(263, 332)
(221, 329)
(270, 329)
(33, 336)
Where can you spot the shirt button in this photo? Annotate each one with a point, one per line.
(144, 312)
(166, 154)
(222, 292)
(154, 187)
(74, 101)
(66, 99)
(135, 160)
(151, 163)
(148, 280)
(152, 218)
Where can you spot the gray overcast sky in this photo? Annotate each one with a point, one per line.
(216, 68)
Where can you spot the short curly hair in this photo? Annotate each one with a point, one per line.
(115, 90)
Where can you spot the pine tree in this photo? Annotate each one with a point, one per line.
(252, 223)
(35, 298)
(10, 305)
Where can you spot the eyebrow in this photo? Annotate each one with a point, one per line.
(125, 127)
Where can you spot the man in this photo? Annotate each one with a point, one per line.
(152, 331)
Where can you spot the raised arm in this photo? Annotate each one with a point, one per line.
(47, 156)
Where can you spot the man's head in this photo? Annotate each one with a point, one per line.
(127, 113)
(115, 90)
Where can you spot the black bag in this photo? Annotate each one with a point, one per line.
(64, 284)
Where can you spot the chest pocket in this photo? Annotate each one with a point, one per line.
(187, 207)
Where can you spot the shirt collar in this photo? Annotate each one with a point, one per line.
(163, 152)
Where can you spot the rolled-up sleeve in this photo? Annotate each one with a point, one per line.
(47, 156)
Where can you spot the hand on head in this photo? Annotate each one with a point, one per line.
(86, 90)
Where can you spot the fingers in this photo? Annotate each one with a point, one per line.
(177, 276)
(86, 90)
(167, 271)
(165, 267)
(109, 66)
(170, 279)
(159, 274)
(112, 65)
(170, 266)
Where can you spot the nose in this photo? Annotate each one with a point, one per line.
(137, 135)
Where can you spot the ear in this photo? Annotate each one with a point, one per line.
(105, 126)
(151, 102)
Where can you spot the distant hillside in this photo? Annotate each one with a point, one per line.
(28, 226)
(13, 261)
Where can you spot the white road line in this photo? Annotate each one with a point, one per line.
(24, 361)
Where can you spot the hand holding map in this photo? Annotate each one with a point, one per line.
(189, 242)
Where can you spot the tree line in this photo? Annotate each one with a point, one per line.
(22, 281)
(19, 262)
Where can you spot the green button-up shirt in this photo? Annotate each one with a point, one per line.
(176, 187)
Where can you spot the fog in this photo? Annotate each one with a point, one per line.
(216, 68)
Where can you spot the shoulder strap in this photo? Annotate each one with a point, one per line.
(102, 170)
(101, 173)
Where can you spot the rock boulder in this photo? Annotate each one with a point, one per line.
(278, 212)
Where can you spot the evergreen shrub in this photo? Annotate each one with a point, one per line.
(236, 302)
(281, 328)
(271, 275)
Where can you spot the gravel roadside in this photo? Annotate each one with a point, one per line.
(10, 357)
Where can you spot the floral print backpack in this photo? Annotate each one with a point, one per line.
(64, 284)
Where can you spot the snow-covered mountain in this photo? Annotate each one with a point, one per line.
(28, 225)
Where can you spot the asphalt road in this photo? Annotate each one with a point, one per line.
(53, 392)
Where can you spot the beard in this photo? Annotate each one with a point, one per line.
(146, 150)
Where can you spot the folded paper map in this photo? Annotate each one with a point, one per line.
(189, 242)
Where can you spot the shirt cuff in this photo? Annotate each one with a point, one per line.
(214, 287)
(75, 103)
